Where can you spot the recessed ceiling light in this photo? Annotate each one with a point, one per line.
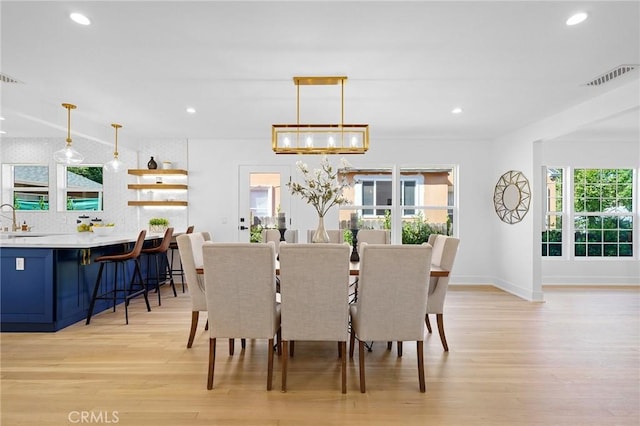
(191, 110)
(2, 132)
(576, 18)
(79, 18)
(1, 118)
(456, 110)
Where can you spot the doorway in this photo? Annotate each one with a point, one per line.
(262, 194)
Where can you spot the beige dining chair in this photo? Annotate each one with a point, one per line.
(290, 236)
(445, 249)
(314, 282)
(190, 249)
(240, 288)
(336, 236)
(373, 236)
(391, 294)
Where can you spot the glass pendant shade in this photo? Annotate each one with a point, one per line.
(115, 165)
(68, 155)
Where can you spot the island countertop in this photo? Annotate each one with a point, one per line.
(79, 240)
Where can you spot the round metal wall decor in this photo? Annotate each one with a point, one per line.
(512, 196)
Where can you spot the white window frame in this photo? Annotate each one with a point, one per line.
(63, 190)
(9, 187)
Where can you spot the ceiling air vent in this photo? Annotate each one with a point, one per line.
(4, 78)
(610, 75)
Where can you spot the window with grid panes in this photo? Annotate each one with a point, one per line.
(603, 212)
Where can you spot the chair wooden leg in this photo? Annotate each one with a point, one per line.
(206, 326)
(194, 327)
(421, 365)
(399, 349)
(340, 350)
(443, 339)
(352, 341)
(212, 362)
(292, 345)
(243, 343)
(426, 321)
(343, 360)
(270, 365)
(361, 362)
(389, 344)
(285, 352)
(232, 346)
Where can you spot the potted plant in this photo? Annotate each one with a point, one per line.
(158, 224)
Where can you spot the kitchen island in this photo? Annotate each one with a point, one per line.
(46, 281)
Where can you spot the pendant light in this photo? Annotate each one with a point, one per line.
(114, 165)
(68, 155)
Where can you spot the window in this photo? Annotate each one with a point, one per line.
(603, 212)
(602, 215)
(552, 234)
(81, 189)
(264, 198)
(426, 201)
(28, 186)
(376, 193)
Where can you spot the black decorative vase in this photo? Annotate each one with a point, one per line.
(152, 165)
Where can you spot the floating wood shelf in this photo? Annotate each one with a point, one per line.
(158, 203)
(155, 172)
(156, 186)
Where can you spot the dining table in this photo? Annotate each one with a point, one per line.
(354, 270)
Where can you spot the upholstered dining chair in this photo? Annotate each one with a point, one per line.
(314, 282)
(373, 236)
(290, 236)
(336, 236)
(240, 288)
(444, 255)
(190, 249)
(391, 295)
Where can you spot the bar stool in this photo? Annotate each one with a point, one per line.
(174, 247)
(159, 254)
(111, 294)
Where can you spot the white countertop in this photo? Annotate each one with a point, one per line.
(74, 240)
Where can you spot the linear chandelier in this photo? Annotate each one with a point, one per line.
(319, 138)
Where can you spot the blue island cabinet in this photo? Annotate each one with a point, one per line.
(53, 289)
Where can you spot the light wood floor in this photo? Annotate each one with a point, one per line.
(573, 360)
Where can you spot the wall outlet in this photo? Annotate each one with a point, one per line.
(19, 263)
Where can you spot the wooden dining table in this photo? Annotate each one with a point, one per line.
(354, 270)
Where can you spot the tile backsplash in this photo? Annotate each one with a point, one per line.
(129, 219)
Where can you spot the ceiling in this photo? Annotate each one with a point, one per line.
(141, 64)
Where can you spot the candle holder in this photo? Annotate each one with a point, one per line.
(355, 257)
(282, 231)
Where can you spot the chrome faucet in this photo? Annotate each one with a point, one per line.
(14, 227)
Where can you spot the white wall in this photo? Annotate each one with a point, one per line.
(213, 195)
